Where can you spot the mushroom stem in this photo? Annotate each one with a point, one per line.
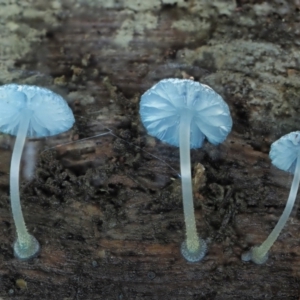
(25, 242)
(259, 254)
(193, 248)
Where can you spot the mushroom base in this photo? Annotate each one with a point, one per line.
(25, 253)
(255, 256)
(194, 256)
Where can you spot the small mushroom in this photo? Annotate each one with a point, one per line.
(29, 111)
(285, 155)
(182, 113)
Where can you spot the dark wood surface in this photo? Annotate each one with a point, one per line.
(107, 211)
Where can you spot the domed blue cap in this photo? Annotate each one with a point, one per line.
(51, 114)
(284, 152)
(161, 108)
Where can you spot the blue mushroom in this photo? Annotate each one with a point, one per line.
(285, 155)
(183, 113)
(29, 111)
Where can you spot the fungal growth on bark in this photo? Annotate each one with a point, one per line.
(183, 113)
(285, 155)
(29, 111)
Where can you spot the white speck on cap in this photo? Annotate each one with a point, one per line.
(51, 114)
(162, 105)
(284, 152)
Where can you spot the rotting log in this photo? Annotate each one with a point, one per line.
(107, 212)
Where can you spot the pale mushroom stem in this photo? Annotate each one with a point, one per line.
(193, 249)
(259, 254)
(25, 243)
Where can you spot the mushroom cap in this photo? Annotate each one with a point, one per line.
(162, 106)
(284, 152)
(51, 114)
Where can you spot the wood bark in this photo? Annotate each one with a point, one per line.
(107, 211)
